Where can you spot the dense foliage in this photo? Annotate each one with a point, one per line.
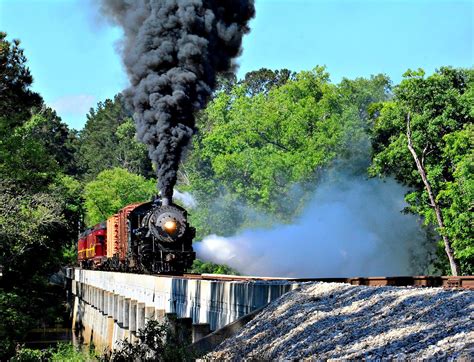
(39, 200)
(113, 189)
(201, 267)
(156, 342)
(16, 97)
(256, 142)
(108, 140)
(60, 353)
(441, 111)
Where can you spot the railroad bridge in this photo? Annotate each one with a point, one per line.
(111, 306)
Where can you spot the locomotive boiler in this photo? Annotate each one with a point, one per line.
(149, 237)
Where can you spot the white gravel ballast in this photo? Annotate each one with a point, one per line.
(341, 321)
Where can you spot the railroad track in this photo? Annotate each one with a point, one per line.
(466, 282)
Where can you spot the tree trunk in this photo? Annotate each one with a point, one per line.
(439, 217)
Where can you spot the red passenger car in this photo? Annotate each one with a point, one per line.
(92, 246)
(81, 247)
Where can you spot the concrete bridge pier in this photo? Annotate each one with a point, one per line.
(200, 330)
(132, 320)
(140, 320)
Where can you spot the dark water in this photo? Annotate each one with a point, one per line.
(41, 338)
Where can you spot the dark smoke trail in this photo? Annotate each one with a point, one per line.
(173, 51)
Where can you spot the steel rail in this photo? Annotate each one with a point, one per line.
(465, 282)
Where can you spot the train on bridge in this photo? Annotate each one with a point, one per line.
(148, 237)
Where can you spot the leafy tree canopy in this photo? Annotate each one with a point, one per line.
(262, 80)
(113, 189)
(39, 200)
(36, 151)
(16, 97)
(441, 109)
(108, 140)
(271, 131)
(200, 267)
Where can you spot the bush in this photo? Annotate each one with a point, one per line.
(200, 267)
(62, 352)
(157, 342)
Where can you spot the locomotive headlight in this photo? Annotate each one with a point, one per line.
(170, 226)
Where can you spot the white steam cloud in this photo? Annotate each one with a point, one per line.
(185, 198)
(352, 227)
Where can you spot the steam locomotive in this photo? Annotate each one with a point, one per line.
(149, 237)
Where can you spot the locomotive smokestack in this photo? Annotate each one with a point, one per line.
(173, 51)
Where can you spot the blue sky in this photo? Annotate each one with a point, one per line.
(72, 56)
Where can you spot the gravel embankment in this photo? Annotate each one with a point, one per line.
(340, 321)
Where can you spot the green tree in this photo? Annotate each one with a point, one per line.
(29, 226)
(253, 146)
(60, 141)
(25, 158)
(113, 189)
(14, 321)
(259, 144)
(131, 154)
(60, 353)
(158, 341)
(459, 195)
(108, 140)
(33, 231)
(36, 151)
(39, 204)
(363, 92)
(16, 97)
(200, 267)
(423, 137)
(262, 80)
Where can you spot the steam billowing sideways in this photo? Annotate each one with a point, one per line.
(173, 51)
(351, 227)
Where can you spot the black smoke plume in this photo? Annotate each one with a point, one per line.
(173, 51)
